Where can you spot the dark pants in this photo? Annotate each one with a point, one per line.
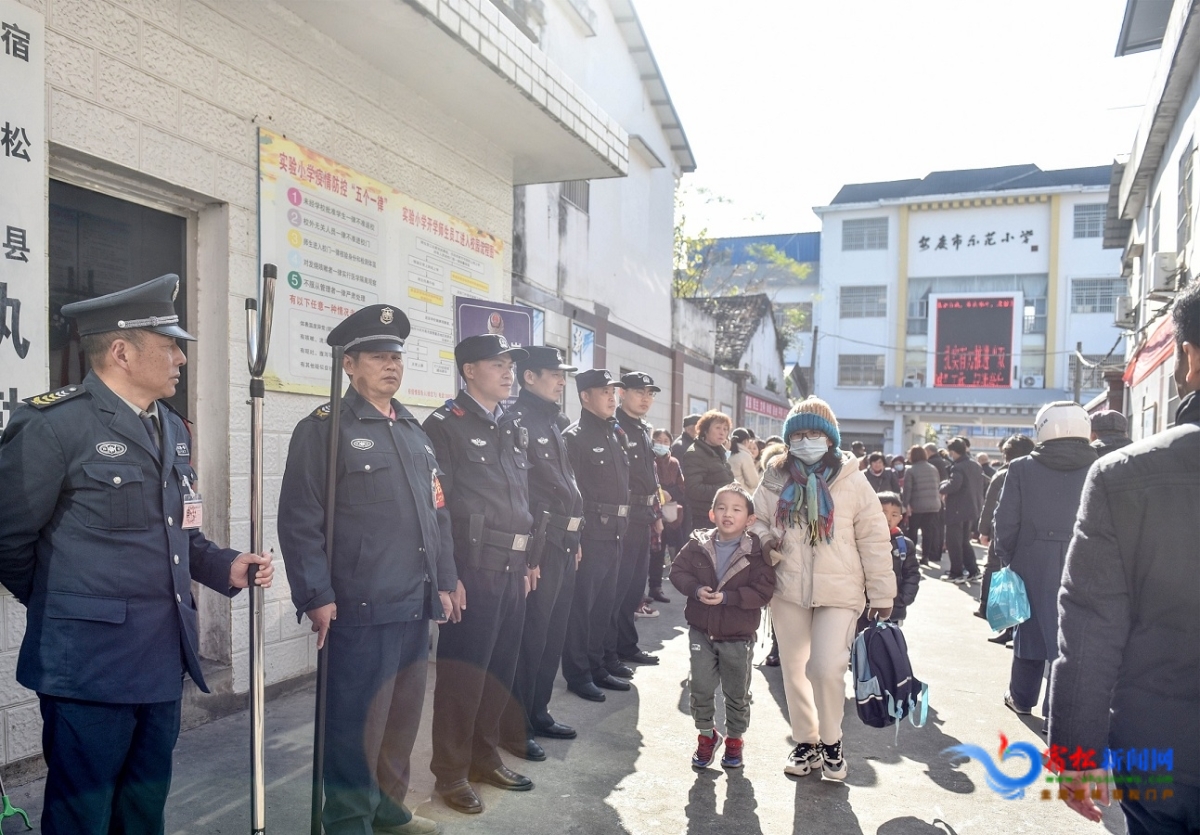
(108, 766)
(1025, 683)
(962, 553)
(547, 610)
(476, 661)
(658, 559)
(992, 566)
(376, 689)
(621, 638)
(591, 611)
(1177, 815)
(931, 535)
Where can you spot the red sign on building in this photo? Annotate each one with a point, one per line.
(974, 342)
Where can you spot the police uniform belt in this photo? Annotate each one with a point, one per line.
(509, 541)
(566, 523)
(647, 501)
(606, 509)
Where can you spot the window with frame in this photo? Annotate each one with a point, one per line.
(862, 302)
(1096, 295)
(864, 233)
(1093, 371)
(1183, 227)
(1089, 220)
(577, 193)
(860, 370)
(1035, 315)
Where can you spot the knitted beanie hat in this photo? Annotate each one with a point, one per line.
(812, 413)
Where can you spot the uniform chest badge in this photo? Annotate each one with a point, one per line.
(597, 449)
(111, 449)
(543, 440)
(362, 443)
(182, 450)
(479, 442)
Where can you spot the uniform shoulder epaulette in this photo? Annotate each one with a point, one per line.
(453, 408)
(53, 398)
(322, 412)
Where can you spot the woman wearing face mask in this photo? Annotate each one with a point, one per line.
(819, 519)
(670, 479)
(743, 452)
(706, 465)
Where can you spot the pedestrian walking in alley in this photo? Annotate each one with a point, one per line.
(670, 480)
(963, 489)
(103, 560)
(1014, 447)
(1109, 431)
(880, 476)
(706, 465)
(923, 504)
(1033, 523)
(1128, 673)
(820, 524)
(743, 458)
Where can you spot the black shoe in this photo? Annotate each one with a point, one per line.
(640, 657)
(1003, 638)
(557, 730)
(979, 614)
(772, 661)
(620, 671)
(461, 797)
(505, 778)
(587, 691)
(527, 750)
(612, 683)
(657, 594)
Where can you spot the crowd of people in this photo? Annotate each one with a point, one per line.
(535, 544)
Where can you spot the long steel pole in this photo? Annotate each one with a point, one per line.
(335, 416)
(258, 339)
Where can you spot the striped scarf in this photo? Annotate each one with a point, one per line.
(806, 501)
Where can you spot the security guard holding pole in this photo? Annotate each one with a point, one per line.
(558, 511)
(596, 447)
(484, 453)
(100, 539)
(621, 642)
(392, 572)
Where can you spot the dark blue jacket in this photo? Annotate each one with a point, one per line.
(552, 484)
(392, 545)
(91, 542)
(597, 450)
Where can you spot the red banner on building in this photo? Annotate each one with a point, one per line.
(764, 407)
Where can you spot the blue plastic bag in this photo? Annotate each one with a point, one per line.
(1007, 603)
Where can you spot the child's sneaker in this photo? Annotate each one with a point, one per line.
(706, 750)
(733, 754)
(803, 759)
(833, 764)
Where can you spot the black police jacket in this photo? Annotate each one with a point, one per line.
(596, 448)
(552, 484)
(91, 541)
(486, 474)
(643, 476)
(388, 562)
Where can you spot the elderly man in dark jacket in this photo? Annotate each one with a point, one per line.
(1128, 673)
(1109, 431)
(963, 489)
(1033, 527)
(1017, 446)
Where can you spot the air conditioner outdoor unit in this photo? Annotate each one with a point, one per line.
(1124, 313)
(1164, 272)
(914, 380)
(1033, 381)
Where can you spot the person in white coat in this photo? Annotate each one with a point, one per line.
(818, 520)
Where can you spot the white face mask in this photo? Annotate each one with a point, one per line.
(661, 449)
(808, 450)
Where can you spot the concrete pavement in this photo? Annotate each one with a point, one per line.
(629, 769)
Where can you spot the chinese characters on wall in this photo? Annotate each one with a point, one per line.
(957, 241)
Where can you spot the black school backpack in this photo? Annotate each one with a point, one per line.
(885, 688)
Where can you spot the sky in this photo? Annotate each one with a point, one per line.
(786, 101)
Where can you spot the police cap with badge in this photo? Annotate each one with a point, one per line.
(148, 306)
(596, 378)
(543, 358)
(485, 347)
(639, 380)
(376, 327)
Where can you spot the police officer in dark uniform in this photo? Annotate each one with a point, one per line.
(621, 642)
(483, 451)
(392, 572)
(100, 539)
(596, 446)
(558, 512)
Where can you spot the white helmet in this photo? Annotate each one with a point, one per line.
(1061, 419)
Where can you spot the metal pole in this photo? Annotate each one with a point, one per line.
(258, 339)
(335, 406)
(1078, 371)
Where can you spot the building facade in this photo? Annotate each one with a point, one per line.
(953, 304)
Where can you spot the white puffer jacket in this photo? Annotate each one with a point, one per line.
(838, 574)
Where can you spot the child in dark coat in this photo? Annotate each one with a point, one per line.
(904, 561)
(727, 581)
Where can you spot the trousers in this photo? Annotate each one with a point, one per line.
(1025, 683)
(724, 664)
(814, 654)
(931, 535)
(591, 611)
(476, 662)
(377, 677)
(108, 766)
(621, 639)
(962, 553)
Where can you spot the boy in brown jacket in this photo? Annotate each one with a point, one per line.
(726, 581)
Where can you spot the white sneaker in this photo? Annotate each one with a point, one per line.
(803, 759)
(833, 763)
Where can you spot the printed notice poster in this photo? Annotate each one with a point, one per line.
(974, 338)
(473, 317)
(24, 353)
(342, 241)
